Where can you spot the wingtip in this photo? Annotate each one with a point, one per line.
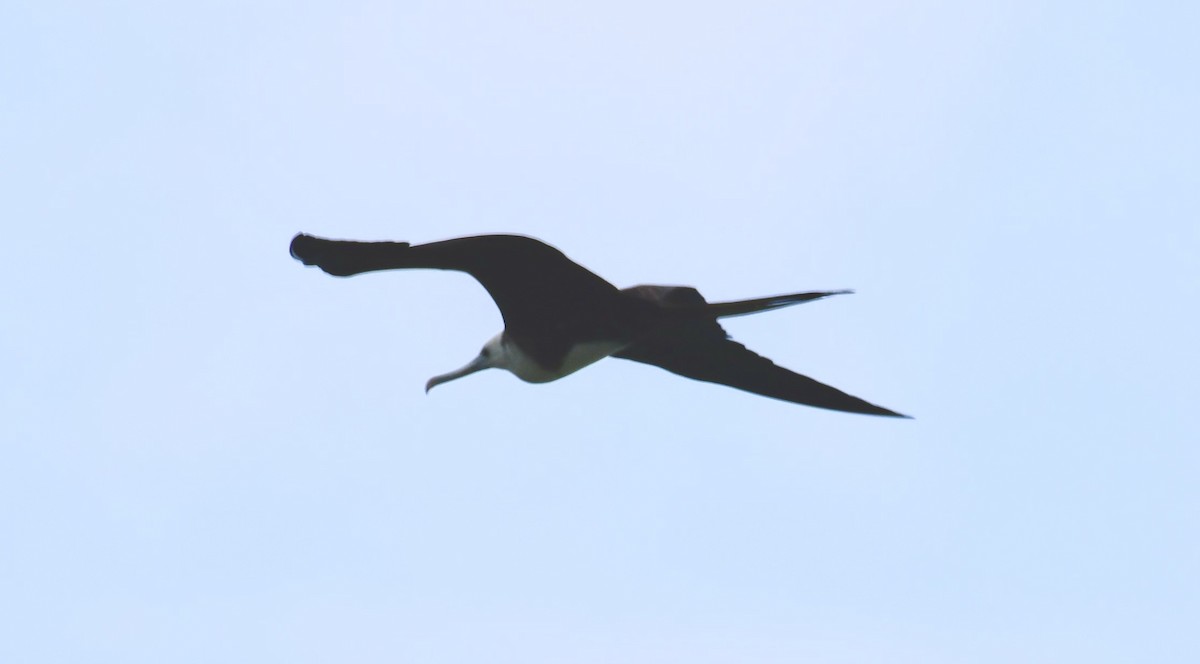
(884, 412)
(296, 247)
(891, 413)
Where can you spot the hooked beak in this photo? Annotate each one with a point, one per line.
(478, 364)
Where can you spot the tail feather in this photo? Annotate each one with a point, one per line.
(744, 307)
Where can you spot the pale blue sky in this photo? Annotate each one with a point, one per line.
(212, 454)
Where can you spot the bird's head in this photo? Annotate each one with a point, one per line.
(492, 355)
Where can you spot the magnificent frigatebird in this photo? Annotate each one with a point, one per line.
(559, 317)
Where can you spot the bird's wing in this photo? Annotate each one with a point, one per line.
(528, 279)
(701, 349)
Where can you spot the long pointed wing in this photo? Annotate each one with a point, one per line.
(532, 283)
(730, 363)
(701, 349)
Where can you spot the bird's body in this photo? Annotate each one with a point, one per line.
(559, 317)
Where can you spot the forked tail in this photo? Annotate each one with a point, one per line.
(744, 307)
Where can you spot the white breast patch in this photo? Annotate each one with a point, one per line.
(577, 358)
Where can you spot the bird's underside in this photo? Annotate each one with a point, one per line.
(551, 306)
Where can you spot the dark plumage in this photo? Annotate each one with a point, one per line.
(560, 317)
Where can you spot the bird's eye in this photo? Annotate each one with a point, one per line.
(485, 352)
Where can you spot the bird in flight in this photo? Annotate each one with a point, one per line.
(560, 317)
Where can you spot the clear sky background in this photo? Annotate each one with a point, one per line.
(212, 454)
